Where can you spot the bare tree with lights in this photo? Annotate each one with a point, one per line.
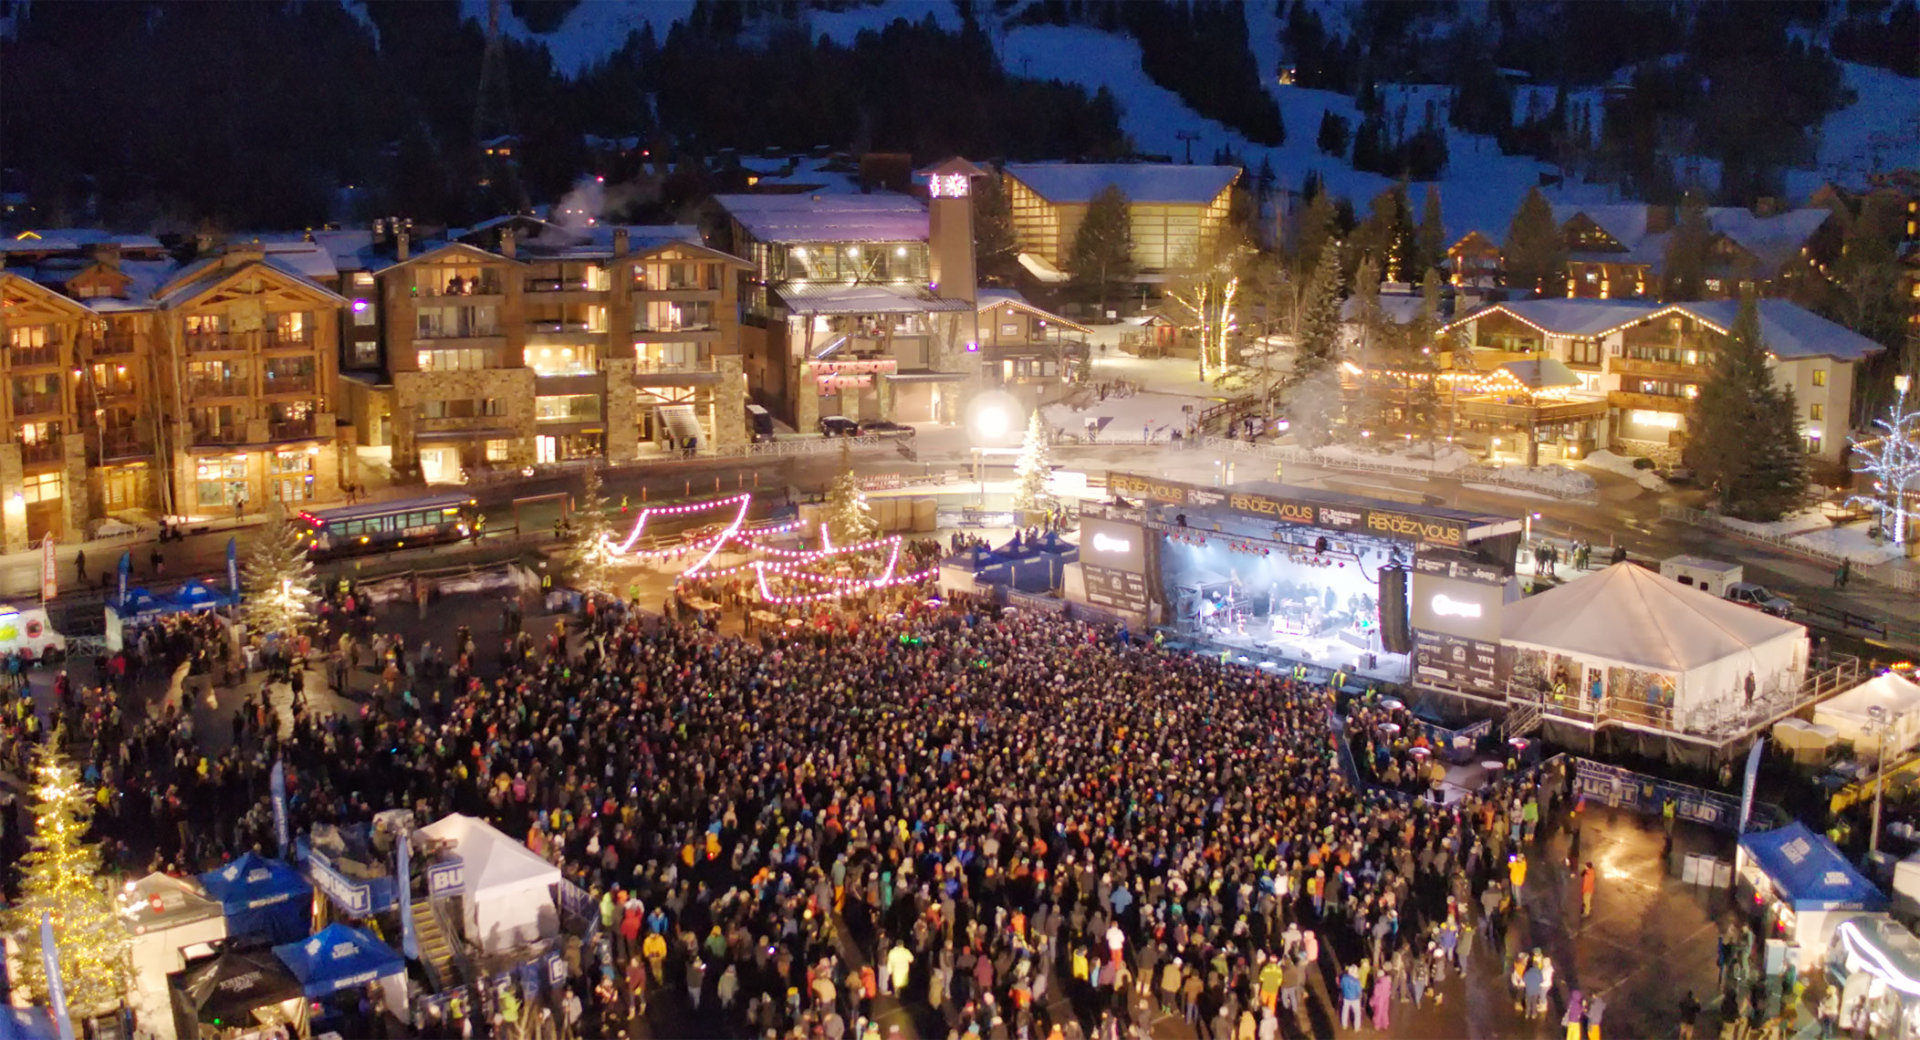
(278, 578)
(1893, 461)
(1033, 469)
(1206, 295)
(60, 876)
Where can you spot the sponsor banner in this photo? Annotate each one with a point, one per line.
(1386, 523)
(1451, 660)
(1440, 563)
(1626, 789)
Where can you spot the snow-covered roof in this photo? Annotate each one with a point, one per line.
(1789, 330)
(64, 240)
(839, 298)
(1629, 615)
(1541, 373)
(1042, 269)
(1773, 240)
(1584, 318)
(1398, 308)
(828, 218)
(1140, 182)
(989, 299)
(201, 275)
(596, 241)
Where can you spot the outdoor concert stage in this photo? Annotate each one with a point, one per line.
(1271, 573)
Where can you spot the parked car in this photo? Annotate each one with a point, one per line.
(1748, 594)
(884, 426)
(838, 426)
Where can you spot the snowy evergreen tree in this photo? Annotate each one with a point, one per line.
(1034, 468)
(1312, 387)
(995, 244)
(1535, 253)
(61, 877)
(278, 578)
(849, 515)
(1102, 253)
(1743, 437)
(589, 552)
(1683, 267)
(1430, 239)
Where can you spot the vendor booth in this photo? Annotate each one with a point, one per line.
(1807, 743)
(261, 897)
(1876, 964)
(1851, 713)
(234, 992)
(167, 918)
(506, 892)
(1632, 646)
(339, 959)
(140, 606)
(1803, 888)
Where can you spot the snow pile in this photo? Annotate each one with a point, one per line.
(1851, 542)
(1554, 480)
(1142, 416)
(1444, 458)
(1785, 527)
(1623, 466)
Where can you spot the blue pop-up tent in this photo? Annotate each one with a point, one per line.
(338, 957)
(141, 605)
(1809, 872)
(27, 1024)
(198, 595)
(261, 897)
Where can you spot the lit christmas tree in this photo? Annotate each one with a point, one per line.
(61, 876)
(849, 516)
(590, 550)
(278, 579)
(1034, 468)
(1893, 461)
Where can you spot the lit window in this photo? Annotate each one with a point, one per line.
(497, 450)
(1816, 411)
(1819, 377)
(362, 278)
(41, 487)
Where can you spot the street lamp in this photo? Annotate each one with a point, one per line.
(1880, 723)
(990, 418)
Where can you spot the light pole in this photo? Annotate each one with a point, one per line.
(1880, 723)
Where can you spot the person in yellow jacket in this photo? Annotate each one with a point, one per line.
(654, 949)
(1517, 876)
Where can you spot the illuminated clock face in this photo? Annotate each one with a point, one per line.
(948, 186)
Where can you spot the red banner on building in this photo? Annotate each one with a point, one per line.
(49, 570)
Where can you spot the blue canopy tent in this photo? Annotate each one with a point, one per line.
(197, 595)
(27, 1024)
(1806, 884)
(338, 958)
(140, 605)
(261, 897)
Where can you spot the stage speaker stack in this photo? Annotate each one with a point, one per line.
(1396, 633)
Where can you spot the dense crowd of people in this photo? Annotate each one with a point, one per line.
(1011, 823)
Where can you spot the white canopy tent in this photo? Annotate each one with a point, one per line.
(1647, 645)
(164, 917)
(1850, 713)
(508, 900)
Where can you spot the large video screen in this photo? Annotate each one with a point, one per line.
(1113, 545)
(1460, 608)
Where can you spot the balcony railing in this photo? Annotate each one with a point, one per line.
(644, 365)
(49, 450)
(547, 285)
(37, 404)
(464, 330)
(207, 342)
(279, 342)
(290, 429)
(556, 326)
(113, 388)
(200, 388)
(483, 287)
(23, 357)
(110, 344)
(287, 384)
(219, 434)
(674, 326)
(1633, 366)
(124, 443)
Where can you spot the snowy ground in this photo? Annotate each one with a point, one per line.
(1623, 466)
(1813, 530)
(1785, 527)
(1444, 459)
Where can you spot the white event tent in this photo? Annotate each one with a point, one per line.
(1648, 649)
(509, 898)
(1850, 713)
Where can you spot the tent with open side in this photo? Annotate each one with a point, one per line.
(234, 989)
(1650, 648)
(1806, 885)
(195, 594)
(1850, 713)
(508, 896)
(338, 957)
(166, 917)
(261, 897)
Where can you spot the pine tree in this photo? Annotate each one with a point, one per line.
(278, 579)
(1103, 246)
(1312, 387)
(1423, 407)
(589, 554)
(1365, 405)
(1743, 436)
(1535, 254)
(995, 244)
(1683, 268)
(1034, 468)
(61, 876)
(849, 516)
(1430, 240)
(1332, 139)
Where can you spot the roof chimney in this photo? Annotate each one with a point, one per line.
(1659, 219)
(507, 244)
(1766, 206)
(106, 254)
(620, 241)
(402, 243)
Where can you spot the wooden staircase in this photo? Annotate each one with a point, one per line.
(436, 946)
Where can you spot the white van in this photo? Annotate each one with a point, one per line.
(1713, 577)
(27, 628)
